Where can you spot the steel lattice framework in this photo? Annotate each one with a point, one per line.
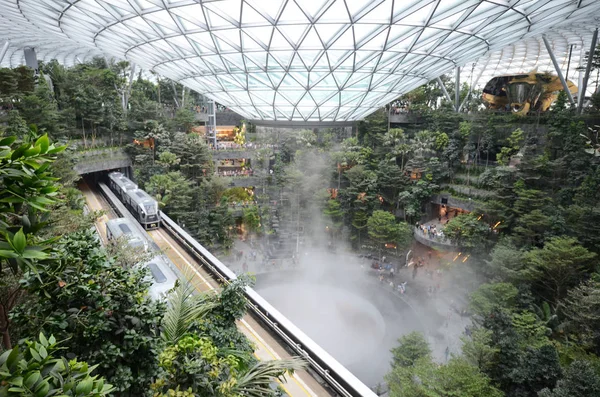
(300, 60)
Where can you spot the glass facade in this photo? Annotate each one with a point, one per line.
(304, 60)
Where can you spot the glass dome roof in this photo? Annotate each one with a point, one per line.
(300, 60)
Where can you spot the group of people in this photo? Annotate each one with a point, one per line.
(431, 231)
(246, 172)
(249, 145)
(399, 107)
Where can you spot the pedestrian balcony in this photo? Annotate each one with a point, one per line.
(437, 241)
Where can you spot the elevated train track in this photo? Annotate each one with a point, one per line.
(273, 335)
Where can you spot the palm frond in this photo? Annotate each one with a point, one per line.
(184, 307)
(256, 381)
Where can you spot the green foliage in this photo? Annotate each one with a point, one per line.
(411, 348)
(465, 230)
(514, 144)
(478, 350)
(581, 308)
(384, 229)
(562, 263)
(580, 380)
(425, 378)
(195, 364)
(34, 370)
(102, 311)
(26, 186)
(489, 297)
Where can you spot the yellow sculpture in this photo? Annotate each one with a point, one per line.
(523, 92)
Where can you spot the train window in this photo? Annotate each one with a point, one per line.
(124, 228)
(158, 275)
(140, 194)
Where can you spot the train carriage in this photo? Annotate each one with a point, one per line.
(120, 184)
(163, 278)
(144, 208)
(123, 227)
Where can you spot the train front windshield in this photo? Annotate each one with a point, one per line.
(150, 209)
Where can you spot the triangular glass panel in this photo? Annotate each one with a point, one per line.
(162, 18)
(223, 46)
(309, 57)
(293, 33)
(356, 6)
(271, 8)
(419, 16)
(337, 12)
(186, 25)
(181, 44)
(216, 21)
(231, 36)
(335, 57)
(381, 13)
(289, 82)
(292, 14)
(214, 61)
(234, 60)
(292, 96)
(204, 40)
(228, 9)
(192, 13)
(259, 58)
(252, 17)
(297, 66)
(283, 57)
(260, 34)
(358, 80)
(276, 78)
(279, 115)
(345, 41)
(249, 44)
(320, 96)
(261, 97)
(378, 42)
(404, 44)
(328, 31)
(341, 77)
(363, 32)
(278, 42)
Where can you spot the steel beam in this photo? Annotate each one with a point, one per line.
(457, 90)
(3, 50)
(587, 72)
(443, 87)
(558, 71)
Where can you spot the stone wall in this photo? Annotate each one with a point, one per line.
(101, 160)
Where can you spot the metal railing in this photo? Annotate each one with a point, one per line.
(335, 375)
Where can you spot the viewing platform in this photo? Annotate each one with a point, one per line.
(438, 242)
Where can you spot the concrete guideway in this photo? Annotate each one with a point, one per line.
(301, 383)
(296, 385)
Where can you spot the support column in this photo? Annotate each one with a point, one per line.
(457, 90)
(443, 87)
(31, 59)
(558, 71)
(211, 124)
(587, 72)
(3, 50)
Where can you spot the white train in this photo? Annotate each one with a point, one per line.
(163, 278)
(143, 207)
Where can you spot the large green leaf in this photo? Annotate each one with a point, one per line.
(43, 142)
(19, 241)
